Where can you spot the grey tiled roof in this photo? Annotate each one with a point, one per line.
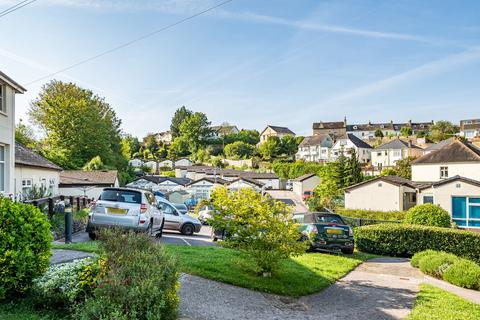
(26, 157)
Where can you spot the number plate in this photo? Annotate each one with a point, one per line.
(116, 211)
(335, 231)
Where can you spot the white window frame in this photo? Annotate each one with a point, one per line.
(443, 172)
(4, 164)
(467, 217)
(27, 184)
(3, 102)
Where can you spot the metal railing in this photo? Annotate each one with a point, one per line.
(47, 205)
(358, 222)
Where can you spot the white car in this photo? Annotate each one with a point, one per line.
(205, 213)
(177, 220)
(126, 208)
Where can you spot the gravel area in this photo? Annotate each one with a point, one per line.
(62, 256)
(383, 288)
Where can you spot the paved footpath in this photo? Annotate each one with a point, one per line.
(383, 288)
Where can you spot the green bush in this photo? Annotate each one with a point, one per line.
(61, 285)
(436, 264)
(141, 282)
(464, 273)
(405, 240)
(24, 246)
(371, 214)
(428, 215)
(415, 261)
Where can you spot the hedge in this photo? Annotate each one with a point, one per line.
(372, 214)
(405, 240)
(428, 214)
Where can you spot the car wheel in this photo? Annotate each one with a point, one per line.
(188, 229)
(347, 251)
(92, 235)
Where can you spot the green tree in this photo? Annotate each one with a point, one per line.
(406, 131)
(288, 145)
(271, 148)
(24, 135)
(178, 149)
(195, 130)
(246, 136)
(130, 146)
(421, 134)
(388, 172)
(341, 167)
(378, 133)
(404, 167)
(180, 114)
(239, 150)
(78, 125)
(353, 171)
(95, 163)
(442, 130)
(150, 142)
(328, 193)
(263, 227)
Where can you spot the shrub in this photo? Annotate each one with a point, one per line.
(141, 282)
(415, 261)
(24, 246)
(65, 284)
(435, 265)
(428, 215)
(261, 227)
(406, 240)
(371, 214)
(464, 273)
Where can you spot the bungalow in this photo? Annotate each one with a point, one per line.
(136, 163)
(182, 162)
(389, 153)
(159, 183)
(307, 182)
(315, 148)
(8, 89)
(178, 196)
(202, 188)
(223, 130)
(86, 183)
(347, 144)
(152, 165)
(34, 171)
(165, 164)
(164, 137)
(243, 182)
(274, 131)
(457, 158)
(382, 194)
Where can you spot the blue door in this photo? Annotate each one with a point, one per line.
(459, 211)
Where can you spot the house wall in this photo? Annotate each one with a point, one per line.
(377, 195)
(239, 163)
(336, 132)
(269, 132)
(136, 163)
(169, 186)
(166, 163)
(201, 189)
(237, 185)
(299, 187)
(39, 176)
(431, 172)
(363, 154)
(7, 140)
(183, 163)
(269, 183)
(90, 192)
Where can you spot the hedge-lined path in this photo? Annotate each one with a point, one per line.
(382, 288)
(467, 294)
(62, 256)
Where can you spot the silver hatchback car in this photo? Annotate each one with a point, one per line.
(126, 208)
(176, 220)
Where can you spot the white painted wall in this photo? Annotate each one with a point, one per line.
(39, 177)
(7, 140)
(136, 163)
(237, 185)
(269, 183)
(363, 154)
(442, 195)
(90, 192)
(201, 189)
(377, 195)
(306, 185)
(431, 172)
(183, 163)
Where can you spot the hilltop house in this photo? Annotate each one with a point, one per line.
(334, 129)
(274, 131)
(202, 188)
(8, 89)
(348, 143)
(159, 183)
(34, 171)
(315, 148)
(164, 137)
(182, 162)
(389, 153)
(86, 183)
(367, 131)
(243, 182)
(223, 130)
(470, 128)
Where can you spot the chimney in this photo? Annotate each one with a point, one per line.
(410, 122)
(345, 121)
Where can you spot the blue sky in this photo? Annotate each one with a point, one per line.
(252, 63)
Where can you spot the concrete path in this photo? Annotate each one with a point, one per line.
(291, 197)
(467, 294)
(62, 256)
(383, 288)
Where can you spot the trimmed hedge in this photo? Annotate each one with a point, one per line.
(405, 240)
(428, 214)
(371, 214)
(437, 263)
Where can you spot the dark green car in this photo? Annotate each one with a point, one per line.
(325, 232)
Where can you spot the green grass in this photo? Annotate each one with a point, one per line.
(22, 309)
(90, 246)
(436, 304)
(295, 277)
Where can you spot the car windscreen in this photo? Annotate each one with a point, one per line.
(121, 196)
(180, 206)
(329, 219)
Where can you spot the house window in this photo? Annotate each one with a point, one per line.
(2, 168)
(466, 211)
(26, 186)
(3, 104)
(427, 199)
(396, 153)
(379, 154)
(443, 172)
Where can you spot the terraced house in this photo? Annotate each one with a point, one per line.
(8, 89)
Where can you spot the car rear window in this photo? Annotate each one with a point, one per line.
(121, 196)
(330, 219)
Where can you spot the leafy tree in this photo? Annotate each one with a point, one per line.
(341, 167)
(178, 148)
(95, 163)
(442, 130)
(195, 130)
(293, 170)
(201, 156)
(328, 193)
(378, 133)
(263, 227)
(388, 172)
(180, 115)
(78, 125)
(271, 148)
(218, 162)
(421, 134)
(246, 136)
(150, 142)
(24, 135)
(130, 146)
(239, 150)
(404, 167)
(288, 145)
(406, 131)
(353, 171)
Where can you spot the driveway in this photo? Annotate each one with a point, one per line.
(289, 197)
(383, 288)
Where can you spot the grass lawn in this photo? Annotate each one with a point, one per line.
(23, 310)
(90, 246)
(295, 277)
(436, 304)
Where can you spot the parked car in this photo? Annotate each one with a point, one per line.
(326, 232)
(205, 213)
(176, 220)
(181, 207)
(126, 208)
(306, 195)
